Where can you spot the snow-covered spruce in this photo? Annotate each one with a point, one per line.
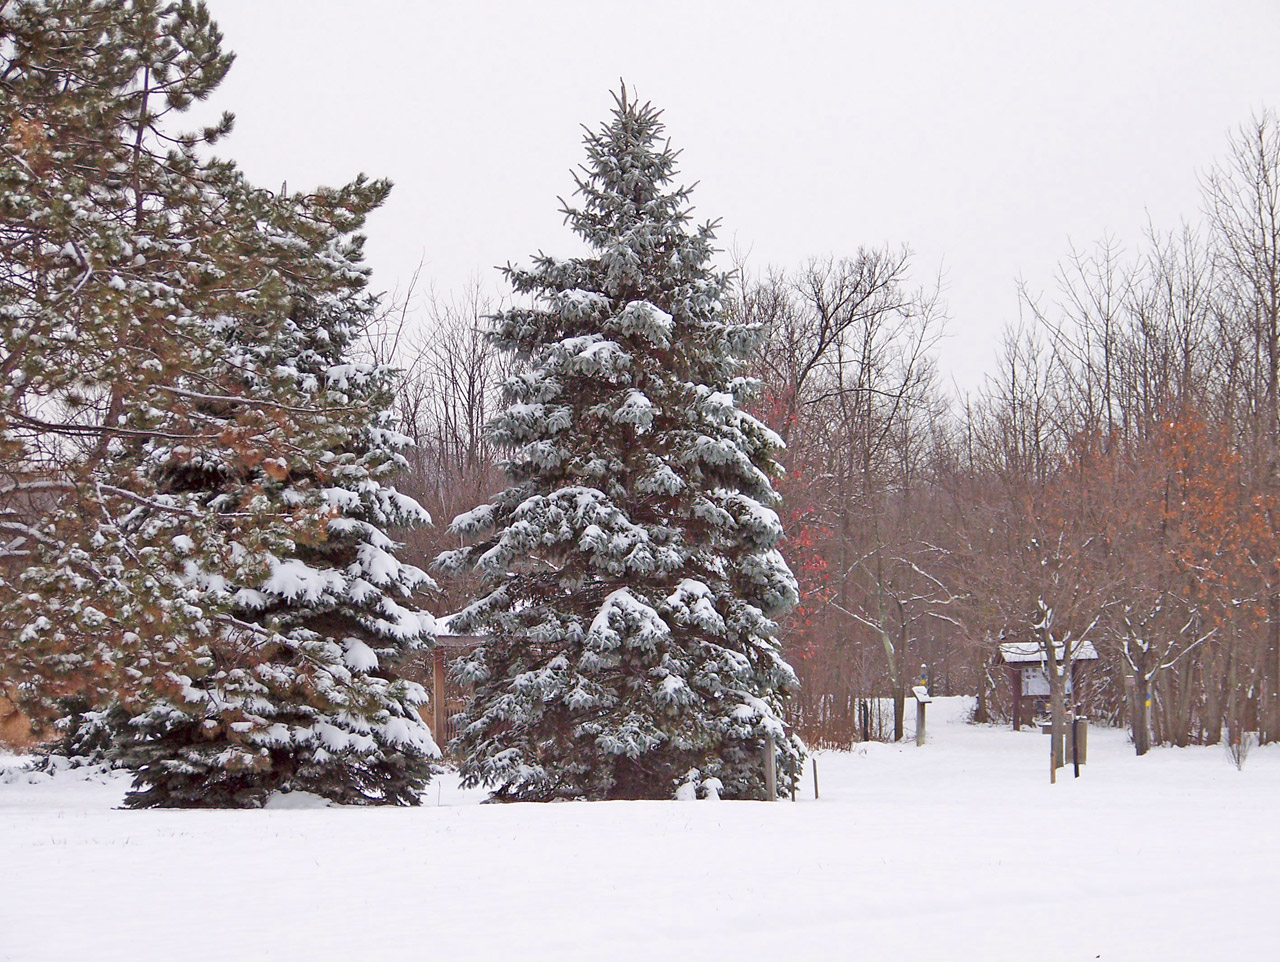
(631, 568)
(319, 598)
(199, 472)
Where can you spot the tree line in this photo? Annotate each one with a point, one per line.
(1113, 481)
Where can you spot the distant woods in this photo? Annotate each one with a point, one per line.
(1116, 480)
(448, 390)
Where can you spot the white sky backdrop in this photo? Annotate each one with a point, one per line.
(983, 134)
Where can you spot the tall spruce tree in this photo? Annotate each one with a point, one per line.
(631, 569)
(197, 473)
(300, 690)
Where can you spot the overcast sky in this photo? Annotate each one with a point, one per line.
(984, 135)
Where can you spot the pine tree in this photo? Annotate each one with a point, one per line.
(316, 705)
(97, 216)
(213, 576)
(631, 568)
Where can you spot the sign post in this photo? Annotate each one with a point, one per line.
(922, 698)
(770, 769)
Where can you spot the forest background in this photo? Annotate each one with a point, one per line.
(1110, 476)
(1031, 367)
(1115, 481)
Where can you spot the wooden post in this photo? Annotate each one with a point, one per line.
(1075, 742)
(437, 697)
(770, 769)
(815, 778)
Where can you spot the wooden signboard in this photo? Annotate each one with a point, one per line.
(1035, 683)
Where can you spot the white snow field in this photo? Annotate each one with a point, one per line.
(960, 849)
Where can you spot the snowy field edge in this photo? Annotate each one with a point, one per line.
(960, 849)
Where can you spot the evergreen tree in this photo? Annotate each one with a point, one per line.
(98, 216)
(631, 569)
(318, 618)
(209, 567)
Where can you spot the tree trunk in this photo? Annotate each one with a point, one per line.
(1058, 713)
(1182, 722)
(1233, 699)
(1057, 695)
(1211, 719)
(1155, 712)
(897, 685)
(1138, 714)
(1271, 731)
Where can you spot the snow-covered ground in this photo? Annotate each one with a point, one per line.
(957, 850)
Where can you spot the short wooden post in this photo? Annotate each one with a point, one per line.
(1075, 743)
(815, 778)
(1066, 746)
(770, 769)
(1015, 681)
(437, 697)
